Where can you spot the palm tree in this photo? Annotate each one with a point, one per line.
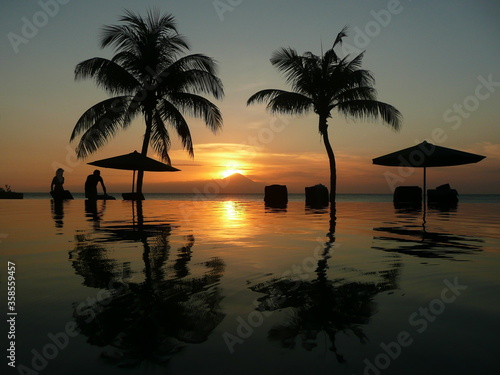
(323, 84)
(147, 76)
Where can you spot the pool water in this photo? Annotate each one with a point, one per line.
(228, 286)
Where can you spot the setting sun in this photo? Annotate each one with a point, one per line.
(229, 172)
(230, 168)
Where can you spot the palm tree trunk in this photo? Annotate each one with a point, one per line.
(144, 151)
(333, 178)
(323, 128)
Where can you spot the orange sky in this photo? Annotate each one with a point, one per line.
(355, 173)
(444, 79)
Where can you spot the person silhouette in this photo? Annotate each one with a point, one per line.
(91, 185)
(58, 182)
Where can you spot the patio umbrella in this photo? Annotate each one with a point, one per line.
(425, 155)
(134, 162)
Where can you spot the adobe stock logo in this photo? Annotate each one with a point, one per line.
(223, 6)
(420, 320)
(381, 19)
(483, 91)
(32, 25)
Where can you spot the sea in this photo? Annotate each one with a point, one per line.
(190, 284)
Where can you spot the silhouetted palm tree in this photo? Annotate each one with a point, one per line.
(146, 76)
(323, 84)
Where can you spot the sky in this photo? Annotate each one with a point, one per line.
(438, 63)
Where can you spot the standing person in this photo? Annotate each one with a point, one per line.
(91, 185)
(57, 182)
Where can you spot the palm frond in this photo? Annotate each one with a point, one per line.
(194, 81)
(160, 139)
(151, 39)
(173, 117)
(107, 74)
(340, 80)
(198, 106)
(356, 62)
(264, 96)
(171, 45)
(122, 37)
(134, 108)
(195, 61)
(355, 93)
(287, 61)
(330, 60)
(280, 101)
(371, 110)
(291, 103)
(340, 36)
(98, 135)
(113, 110)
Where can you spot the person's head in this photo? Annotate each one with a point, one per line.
(97, 173)
(59, 172)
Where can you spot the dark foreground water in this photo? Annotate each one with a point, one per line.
(232, 287)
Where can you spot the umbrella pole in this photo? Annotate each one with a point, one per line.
(133, 181)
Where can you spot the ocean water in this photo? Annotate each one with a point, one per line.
(225, 286)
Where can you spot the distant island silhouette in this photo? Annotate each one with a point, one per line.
(235, 184)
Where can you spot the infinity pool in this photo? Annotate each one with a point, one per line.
(233, 287)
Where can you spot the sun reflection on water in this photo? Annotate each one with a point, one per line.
(232, 211)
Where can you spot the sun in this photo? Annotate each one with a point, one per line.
(229, 172)
(229, 168)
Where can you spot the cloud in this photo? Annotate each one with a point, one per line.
(488, 149)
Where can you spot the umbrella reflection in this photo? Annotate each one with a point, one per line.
(150, 314)
(322, 305)
(420, 241)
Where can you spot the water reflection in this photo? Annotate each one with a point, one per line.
(144, 315)
(57, 209)
(232, 214)
(274, 209)
(413, 235)
(94, 211)
(322, 305)
(90, 261)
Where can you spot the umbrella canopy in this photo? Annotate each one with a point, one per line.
(425, 155)
(134, 162)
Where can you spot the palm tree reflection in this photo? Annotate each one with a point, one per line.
(322, 305)
(147, 320)
(91, 262)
